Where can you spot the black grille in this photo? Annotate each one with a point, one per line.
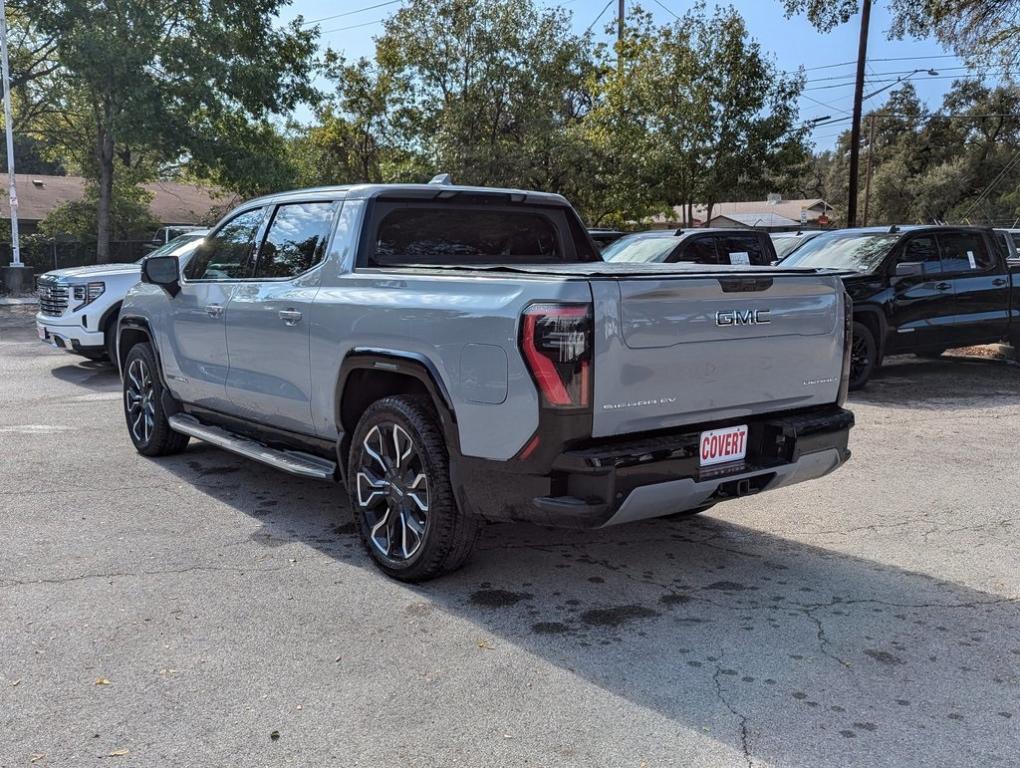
(52, 297)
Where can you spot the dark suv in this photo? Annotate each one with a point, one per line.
(697, 246)
(918, 289)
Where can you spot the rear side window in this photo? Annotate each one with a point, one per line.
(451, 235)
(1016, 241)
(226, 255)
(296, 239)
(741, 249)
(921, 250)
(965, 252)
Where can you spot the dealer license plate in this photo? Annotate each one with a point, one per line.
(719, 446)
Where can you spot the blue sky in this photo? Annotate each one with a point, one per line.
(828, 58)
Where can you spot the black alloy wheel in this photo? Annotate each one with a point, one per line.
(399, 486)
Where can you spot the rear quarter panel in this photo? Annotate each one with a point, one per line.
(466, 326)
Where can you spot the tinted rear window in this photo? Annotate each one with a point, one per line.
(452, 235)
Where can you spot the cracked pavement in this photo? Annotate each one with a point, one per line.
(185, 609)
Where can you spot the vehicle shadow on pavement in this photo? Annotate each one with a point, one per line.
(957, 382)
(784, 652)
(99, 376)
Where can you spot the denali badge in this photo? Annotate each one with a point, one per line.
(742, 317)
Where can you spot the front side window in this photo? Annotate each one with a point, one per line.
(923, 251)
(226, 255)
(296, 239)
(450, 236)
(741, 249)
(965, 252)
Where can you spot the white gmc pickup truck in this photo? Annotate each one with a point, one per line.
(78, 306)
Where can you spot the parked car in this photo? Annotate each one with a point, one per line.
(604, 237)
(918, 289)
(78, 306)
(698, 246)
(1009, 239)
(787, 242)
(457, 354)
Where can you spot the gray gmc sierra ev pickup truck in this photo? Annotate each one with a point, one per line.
(456, 354)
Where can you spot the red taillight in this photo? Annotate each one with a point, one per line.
(556, 343)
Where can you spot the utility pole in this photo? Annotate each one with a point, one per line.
(5, 67)
(855, 128)
(867, 173)
(619, 21)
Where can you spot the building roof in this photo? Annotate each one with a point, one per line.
(813, 207)
(172, 203)
(762, 220)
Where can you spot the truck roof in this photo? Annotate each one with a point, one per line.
(422, 191)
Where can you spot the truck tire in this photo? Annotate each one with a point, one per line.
(401, 497)
(863, 356)
(147, 423)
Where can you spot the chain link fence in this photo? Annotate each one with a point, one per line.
(42, 254)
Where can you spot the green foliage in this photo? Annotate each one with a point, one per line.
(982, 31)
(956, 164)
(170, 80)
(692, 112)
(129, 214)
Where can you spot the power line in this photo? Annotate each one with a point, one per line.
(898, 58)
(978, 76)
(350, 13)
(991, 184)
(667, 10)
(827, 105)
(601, 14)
(353, 26)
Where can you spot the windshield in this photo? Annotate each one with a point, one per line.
(640, 248)
(784, 245)
(171, 248)
(857, 251)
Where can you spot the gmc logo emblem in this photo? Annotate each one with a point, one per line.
(742, 317)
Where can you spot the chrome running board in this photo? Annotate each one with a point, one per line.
(294, 462)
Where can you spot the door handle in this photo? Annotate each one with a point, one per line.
(214, 310)
(999, 282)
(943, 286)
(290, 316)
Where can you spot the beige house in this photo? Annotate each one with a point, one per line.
(172, 203)
(774, 214)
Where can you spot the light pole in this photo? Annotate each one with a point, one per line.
(14, 272)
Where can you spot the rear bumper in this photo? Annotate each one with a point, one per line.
(612, 482)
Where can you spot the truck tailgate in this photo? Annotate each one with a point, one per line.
(686, 349)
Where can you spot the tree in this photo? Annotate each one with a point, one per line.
(694, 111)
(173, 79)
(955, 164)
(982, 31)
(491, 91)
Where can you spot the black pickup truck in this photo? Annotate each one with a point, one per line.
(919, 289)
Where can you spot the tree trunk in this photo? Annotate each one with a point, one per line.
(708, 213)
(104, 154)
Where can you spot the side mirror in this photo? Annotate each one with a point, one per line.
(909, 269)
(164, 271)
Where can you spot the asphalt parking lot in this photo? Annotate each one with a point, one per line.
(204, 610)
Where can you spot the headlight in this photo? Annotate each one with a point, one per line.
(86, 294)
